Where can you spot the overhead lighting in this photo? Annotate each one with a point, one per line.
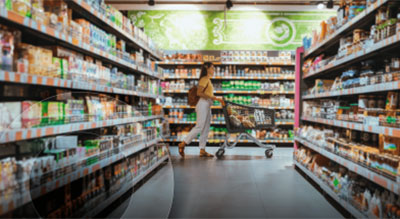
(151, 2)
(329, 4)
(229, 4)
(321, 6)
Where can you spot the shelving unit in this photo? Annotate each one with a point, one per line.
(184, 71)
(174, 121)
(235, 92)
(92, 14)
(346, 205)
(379, 178)
(71, 43)
(216, 107)
(285, 63)
(332, 68)
(96, 162)
(217, 141)
(25, 78)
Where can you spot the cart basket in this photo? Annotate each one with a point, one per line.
(239, 118)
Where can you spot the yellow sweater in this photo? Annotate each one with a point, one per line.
(203, 83)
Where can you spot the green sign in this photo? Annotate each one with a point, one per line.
(240, 30)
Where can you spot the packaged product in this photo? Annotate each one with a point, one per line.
(57, 67)
(38, 13)
(22, 7)
(389, 144)
(64, 68)
(10, 114)
(31, 114)
(7, 43)
(392, 100)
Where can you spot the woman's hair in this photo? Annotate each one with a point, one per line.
(204, 69)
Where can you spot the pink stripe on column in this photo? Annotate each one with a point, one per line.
(297, 91)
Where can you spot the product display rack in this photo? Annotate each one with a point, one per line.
(90, 165)
(356, 213)
(236, 78)
(76, 174)
(387, 182)
(215, 107)
(86, 10)
(331, 69)
(127, 186)
(217, 141)
(264, 93)
(172, 121)
(72, 43)
(284, 63)
(25, 134)
(235, 92)
(25, 78)
(350, 25)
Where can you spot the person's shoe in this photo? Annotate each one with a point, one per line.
(203, 153)
(182, 148)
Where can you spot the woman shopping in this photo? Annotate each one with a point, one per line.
(205, 91)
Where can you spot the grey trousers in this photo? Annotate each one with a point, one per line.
(203, 120)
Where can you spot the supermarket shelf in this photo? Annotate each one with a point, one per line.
(71, 42)
(30, 133)
(10, 205)
(234, 78)
(124, 189)
(216, 141)
(173, 121)
(25, 78)
(116, 30)
(236, 92)
(395, 132)
(346, 205)
(395, 85)
(176, 121)
(81, 172)
(360, 55)
(354, 167)
(216, 107)
(285, 63)
(353, 23)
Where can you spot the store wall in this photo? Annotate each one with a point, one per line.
(243, 30)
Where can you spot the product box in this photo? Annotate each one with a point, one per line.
(57, 67)
(388, 144)
(64, 141)
(31, 114)
(21, 7)
(10, 116)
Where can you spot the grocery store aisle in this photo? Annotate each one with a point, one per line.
(243, 185)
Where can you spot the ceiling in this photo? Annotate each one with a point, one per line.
(258, 2)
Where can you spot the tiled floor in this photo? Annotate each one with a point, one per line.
(242, 185)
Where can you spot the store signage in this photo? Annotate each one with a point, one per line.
(241, 30)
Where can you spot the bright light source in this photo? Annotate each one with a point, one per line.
(321, 6)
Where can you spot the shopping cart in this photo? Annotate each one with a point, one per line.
(240, 118)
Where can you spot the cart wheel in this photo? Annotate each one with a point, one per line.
(269, 153)
(220, 153)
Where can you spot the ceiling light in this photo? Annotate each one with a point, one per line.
(229, 4)
(321, 6)
(329, 4)
(151, 2)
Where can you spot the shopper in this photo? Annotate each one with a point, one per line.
(205, 91)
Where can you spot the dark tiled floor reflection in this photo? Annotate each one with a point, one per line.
(243, 185)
